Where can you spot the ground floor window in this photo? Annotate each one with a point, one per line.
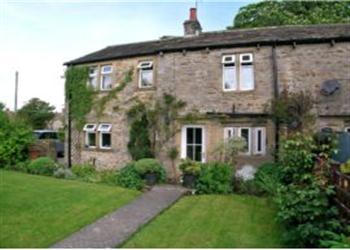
(105, 135)
(90, 135)
(347, 129)
(255, 138)
(193, 143)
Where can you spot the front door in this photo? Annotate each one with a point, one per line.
(193, 143)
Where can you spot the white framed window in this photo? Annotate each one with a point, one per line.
(229, 78)
(106, 77)
(347, 129)
(259, 141)
(229, 133)
(145, 74)
(246, 72)
(245, 133)
(193, 143)
(90, 135)
(105, 135)
(93, 77)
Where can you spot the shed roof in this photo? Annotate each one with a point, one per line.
(228, 38)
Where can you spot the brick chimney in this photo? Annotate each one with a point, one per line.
(192, 27)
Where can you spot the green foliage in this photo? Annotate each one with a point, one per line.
(112, 94)
(249, 187)
(293, 109)
(84, 171)
(215, 178)
(345, 167)
(36, 113)
(42, 166)
(2, 106)
(108, 177)
(338, 241)
(274, 13)
(128, 177)
(227, 150)
(304, 202)
(139, 144)
(79, 95)
(267, 178)
(188, 166)
(15, 138)
(150, 165)
(173, 153)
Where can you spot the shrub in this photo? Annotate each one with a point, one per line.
(108, 177)
(85, 171)
(42, 166)
(267, 178)
(215, 178)
(150, 165)
(345, 167)
(188, 166)
(64, 173)
(128, 177)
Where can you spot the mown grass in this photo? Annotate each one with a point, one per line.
(37, 211)
(212, 221)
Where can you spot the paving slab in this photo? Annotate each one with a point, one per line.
(115, 228)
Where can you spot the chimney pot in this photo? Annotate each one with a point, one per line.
(192, 27)
(193, 14)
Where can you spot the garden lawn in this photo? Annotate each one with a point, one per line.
(37, 211)
(212, 221)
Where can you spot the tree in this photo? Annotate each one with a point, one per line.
(2, 106)
(37, 113)
(275, 13)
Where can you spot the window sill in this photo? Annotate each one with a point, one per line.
(146, 88)
(95, 149)
(237, 91)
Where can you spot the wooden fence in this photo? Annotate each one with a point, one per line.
(342, 187)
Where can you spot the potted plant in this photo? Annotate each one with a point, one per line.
(190, 170)
(151, 170)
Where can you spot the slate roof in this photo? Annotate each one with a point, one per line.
(218, 39)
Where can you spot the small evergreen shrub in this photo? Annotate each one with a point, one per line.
(215, 178)
(188, 166)
(150, 165)
(128, 177)
(108, 177)
(85, 171)
(64, 173)
(42, 166)
(249, 187)
(267, 178)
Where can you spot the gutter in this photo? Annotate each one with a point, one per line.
(275, 94)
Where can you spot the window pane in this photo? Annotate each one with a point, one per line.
(106, 140)
(259, 141)
(189, 152)
(198, 137)
(106, 69)
(146, 78)
(190, 135)
(245, 135)
(91, 139)
(106, 82)
(198, 153)
(230, 78)
(246, 77)
(93, 81)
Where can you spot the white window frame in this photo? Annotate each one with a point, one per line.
(93, 75)
(347, 129)
(104, 131)
(145, 66)
(249, 138)
(228, 65)
(89, 128)
(241, 65)
(103, 73)
(256, 150)
(184, 141)
(229, 132)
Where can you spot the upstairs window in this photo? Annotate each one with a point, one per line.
(246, 73)
(106, 77)
(105, 135)
(145, 74)
(93, 77)
(90, 135)
(229, 73)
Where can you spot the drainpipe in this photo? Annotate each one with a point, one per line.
(69, 96)
(276, 94)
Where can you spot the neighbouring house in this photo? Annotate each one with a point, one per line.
(228, 77)
(57, 122)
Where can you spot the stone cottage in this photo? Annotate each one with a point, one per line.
(226, 77)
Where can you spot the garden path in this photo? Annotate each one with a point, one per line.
(115, 228)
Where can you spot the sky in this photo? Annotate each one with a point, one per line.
(37, 37)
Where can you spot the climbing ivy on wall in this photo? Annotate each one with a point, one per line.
(78, 94)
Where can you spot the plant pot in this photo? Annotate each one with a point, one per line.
(151, 179)
(189, 180)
